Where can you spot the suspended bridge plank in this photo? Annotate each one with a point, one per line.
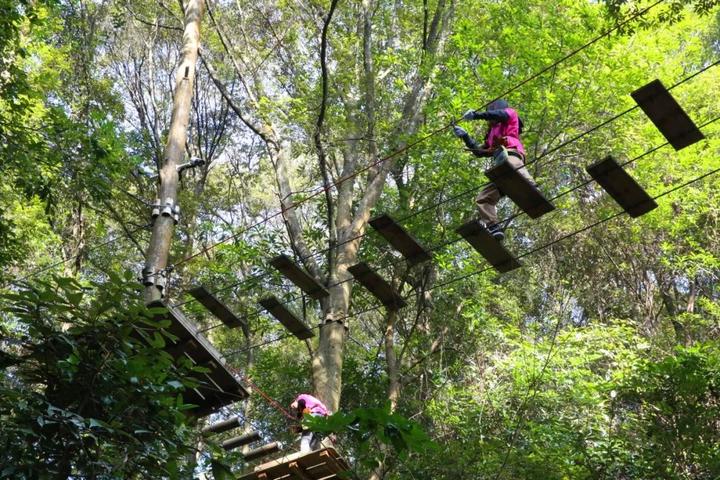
(324, 464)
(667, 115)
(377, 286)
(520, 190)
(217, 387)
(221, 427)
(622, 187)
(493, 251)
(399, 238)
(216, 307)
(262, 451)
(296, 326)
(241, 440)
(299, 277)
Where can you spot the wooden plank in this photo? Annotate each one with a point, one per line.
(262, 451)
(377, 285)
(324, 464)
(520, 190)
(220, 387)
(287, 318)
(241, 440)
(298, 471)
(622, 187)
(221, 427)
(667, 115)
(493, 251)
(399, 238)
(299, 277)
(216, 307)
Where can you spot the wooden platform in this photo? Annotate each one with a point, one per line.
(299, 277)
(622, 187)
(400, 239)
(296, 326)
(324, 464)
(216, 307)
(218, 387)
(377, 285)
(667, 115)
(493, 251)
(525, 194)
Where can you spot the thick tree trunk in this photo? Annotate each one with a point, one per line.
(164, 225)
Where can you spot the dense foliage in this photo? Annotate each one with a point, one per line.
(82, 394)
(598, 359)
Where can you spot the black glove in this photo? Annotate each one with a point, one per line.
(469, 115)
(459, 132)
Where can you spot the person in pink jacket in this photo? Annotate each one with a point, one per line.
(306, 404)
(502, 142)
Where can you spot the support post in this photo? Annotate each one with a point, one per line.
(164, 224)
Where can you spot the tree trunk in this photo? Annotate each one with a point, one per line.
(164, 225)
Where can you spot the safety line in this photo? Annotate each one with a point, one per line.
(470, 190)
(482, 270)
(407, 147)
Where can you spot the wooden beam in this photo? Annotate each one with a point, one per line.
(299, 277)
(241, 440)
(262, 451)
(399, 238)
(520, 190)
(622, 187)
(493, 251)
(298, 471)
(218, 387)
(324, 464)
(296, 326)
(221, 427)
(667, 115)
(216, 307)
(377, 285)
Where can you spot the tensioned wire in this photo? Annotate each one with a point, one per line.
(566, 192)
(372, 165)
(482, 270)
(464, 192)
(409, 146)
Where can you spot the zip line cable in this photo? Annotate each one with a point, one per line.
(377, 162)
(455, 240)
(474, 188)
(482, 270)
(407, 147)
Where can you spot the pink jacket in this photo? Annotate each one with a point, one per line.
(315, 406)
(506, 133)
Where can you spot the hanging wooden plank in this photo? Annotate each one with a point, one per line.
(218, 387)
(299, 277)
(399, 238)
(296, 326)
(241, 440)
(493, 251)
(324, 464)
(216, 307)
(221, 427)
(520, 190)
(377, 285)
(622, 187)
(262, 451)
(667, 115)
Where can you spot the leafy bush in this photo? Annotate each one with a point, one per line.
(80, 393)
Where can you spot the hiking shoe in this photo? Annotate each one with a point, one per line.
(497, 232)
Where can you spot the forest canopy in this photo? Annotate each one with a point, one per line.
(598, 358)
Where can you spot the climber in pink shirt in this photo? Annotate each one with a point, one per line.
(307, 404)
(502, 142)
